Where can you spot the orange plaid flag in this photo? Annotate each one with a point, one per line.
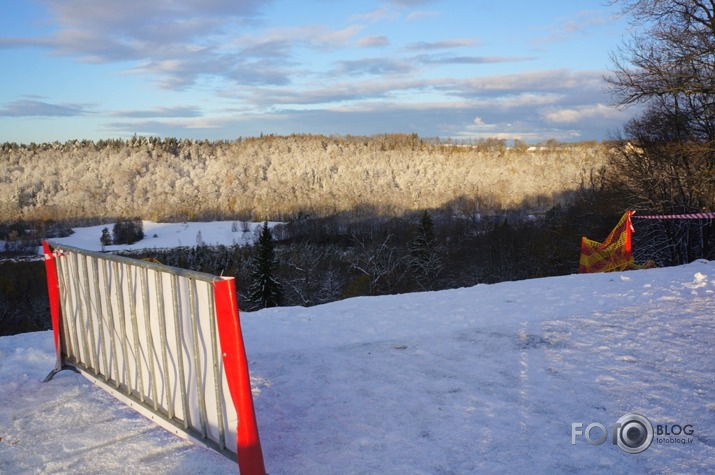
(613, 254)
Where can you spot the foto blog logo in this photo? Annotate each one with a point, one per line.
(633, 433)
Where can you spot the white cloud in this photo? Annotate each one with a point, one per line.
(421, 15)
(548, 80)
(224, 51)
(374, 15)
(572, 115)
(177, 111)
(519, 100)
(443, 44)
(373, 41)
(37, 108)
(579, 24)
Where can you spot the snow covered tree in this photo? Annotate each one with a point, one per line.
(380, 263)
(304, 261)
(265, 290)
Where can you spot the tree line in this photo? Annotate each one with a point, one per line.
(311, 260)
(277, 177)
(314, 260)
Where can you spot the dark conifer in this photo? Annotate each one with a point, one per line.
(106, 238)
(425, 259)
(264, 291)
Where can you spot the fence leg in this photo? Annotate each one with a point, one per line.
(53, 290)
(250, 454)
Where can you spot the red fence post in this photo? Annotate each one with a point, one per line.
(53, 291)
(250, 454)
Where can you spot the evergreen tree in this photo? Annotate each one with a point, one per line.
(128, 231)
(106, 238)
(264, 291)
(425, 260)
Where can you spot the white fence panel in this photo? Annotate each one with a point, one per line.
(150, 333)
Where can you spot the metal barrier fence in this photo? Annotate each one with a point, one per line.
(166, 341)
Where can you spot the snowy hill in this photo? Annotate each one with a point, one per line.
(487, 379)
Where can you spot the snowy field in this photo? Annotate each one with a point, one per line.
(487, 379)
(167, 235)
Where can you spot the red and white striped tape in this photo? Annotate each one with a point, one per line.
(677, 216)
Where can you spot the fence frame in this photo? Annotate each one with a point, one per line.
(89, 292)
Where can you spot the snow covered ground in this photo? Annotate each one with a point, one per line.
(487, 379)
(167, 235)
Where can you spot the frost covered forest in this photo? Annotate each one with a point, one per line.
(362, 215)
(278, 177)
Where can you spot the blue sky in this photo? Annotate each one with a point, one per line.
(222, 69)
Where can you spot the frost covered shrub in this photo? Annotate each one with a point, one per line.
(128, 231)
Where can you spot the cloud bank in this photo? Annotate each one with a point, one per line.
(357, 76)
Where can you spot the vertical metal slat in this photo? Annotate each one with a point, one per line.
(143, 279)
(179, 349)
(197, 352)
(94, 355)
(161, 314)
(135, 332)
(68, 345)
(126, 375)
(85, 353)
(114, 374)
(100, 320)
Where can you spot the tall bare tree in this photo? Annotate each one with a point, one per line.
(671, 54)
(669, 63)
(667, 163)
